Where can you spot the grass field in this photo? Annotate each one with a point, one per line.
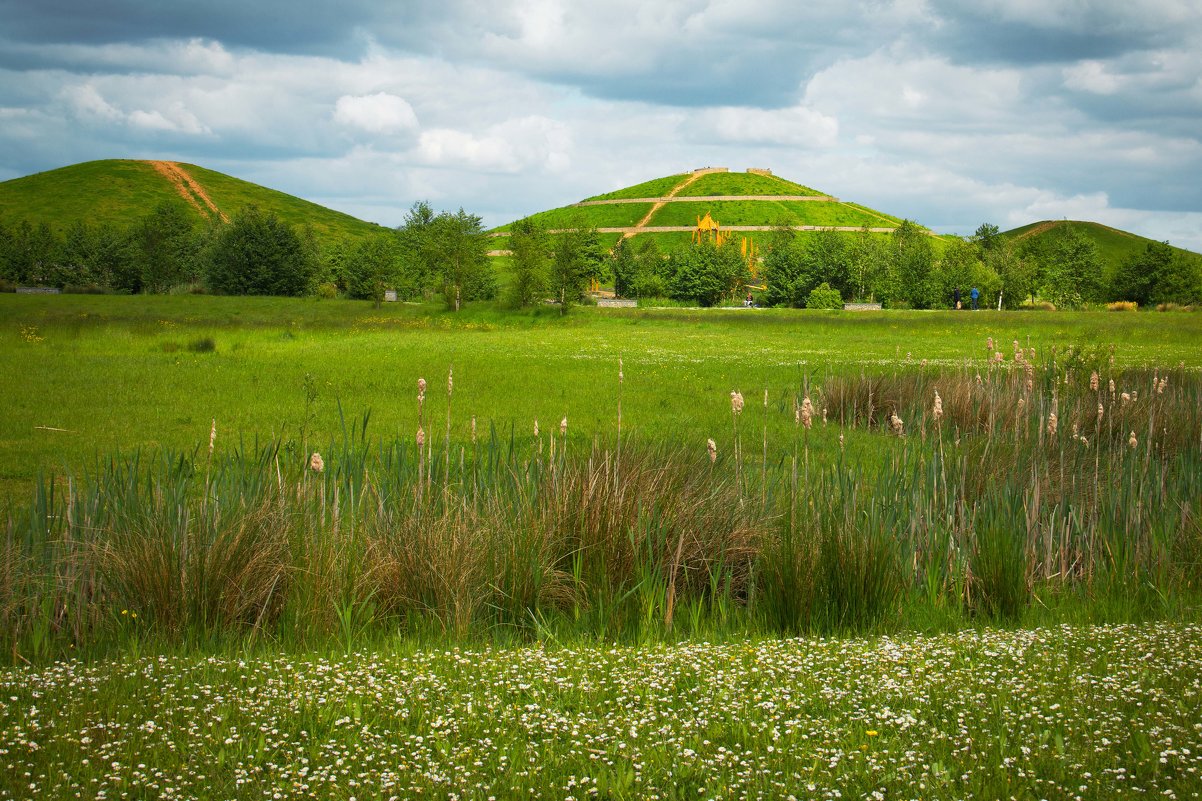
(124, 372)
(1064, 713)
(742, 183)
(657, 187)
(995, 561)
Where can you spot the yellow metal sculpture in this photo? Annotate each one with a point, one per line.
(708, 230)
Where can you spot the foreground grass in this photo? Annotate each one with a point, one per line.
(1063, 712)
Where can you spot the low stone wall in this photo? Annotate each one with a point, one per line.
(617, 303)
(38, 290)
(861, 307)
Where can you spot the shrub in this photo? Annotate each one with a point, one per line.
(1123, 305)
(326, 291)
(1038, 305)
(823, 297)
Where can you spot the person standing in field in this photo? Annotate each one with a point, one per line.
(975, 294)
(956, 298)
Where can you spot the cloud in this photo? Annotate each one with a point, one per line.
(526, 143)
(798, 126)
(380, 113)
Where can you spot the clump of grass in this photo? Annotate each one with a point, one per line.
(1122, 305)
(203, 345)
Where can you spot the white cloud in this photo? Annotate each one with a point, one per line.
(526, 143)
(380, 113)
(797, 126)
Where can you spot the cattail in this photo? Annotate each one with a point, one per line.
(1101, 411)
(621, 376)
(421, 437)
(1132, 441)
(736, 402)
(212, 437)
(1126, 396)
(998, 357)
(1160, 385)
(937, 411)
(824, 415)
(1093, 381)
(989, 344)
(563, 427)
(1112, 387)
(1084, 442)
(765, 397)
(536, 428)
(1135, 394)
(421, 390)
(807, 412)
(712, 448)
(1022, 403)
(450, 381)
(1052, 422)
(473, 428)
(896, 424)
(1075, 430)
(980, 383)
(840, 441)
(315, 463)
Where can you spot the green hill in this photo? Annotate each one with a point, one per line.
(120, 192)
(1114, 245)
(748, 204)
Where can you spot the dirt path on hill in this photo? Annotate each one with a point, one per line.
(659, 204)
(187, 187)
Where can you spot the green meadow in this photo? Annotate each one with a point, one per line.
(647, 553)
(92, 375)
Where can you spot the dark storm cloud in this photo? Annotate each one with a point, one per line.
(1056, 31)
(270, 25)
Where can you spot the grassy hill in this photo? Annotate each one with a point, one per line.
(120, 192)
(1114, 245)
(753, 200)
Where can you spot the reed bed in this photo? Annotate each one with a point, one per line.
(995, 490)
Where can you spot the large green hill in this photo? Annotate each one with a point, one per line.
(120, 192)
(745, 204)
(1115, 246)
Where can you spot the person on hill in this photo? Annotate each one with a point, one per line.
(975, 294)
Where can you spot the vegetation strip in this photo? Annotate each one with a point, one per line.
(705, 198)
(1091, 713)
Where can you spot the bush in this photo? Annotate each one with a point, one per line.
(823, 297)
(326, 291)
(203, 345)
(1039, 305)
(1123, 305)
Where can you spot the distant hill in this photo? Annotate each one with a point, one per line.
(120, 192)
(1115, 246)
(746, 204)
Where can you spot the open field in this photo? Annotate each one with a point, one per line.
(119, 373)
(1056, 713)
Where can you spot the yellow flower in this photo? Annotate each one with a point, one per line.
(872, 732)
(125, 611)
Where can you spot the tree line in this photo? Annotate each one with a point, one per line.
(256, 253)
(445, 254)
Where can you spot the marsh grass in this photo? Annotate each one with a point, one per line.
(978, 512)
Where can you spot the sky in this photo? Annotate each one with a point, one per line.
(950, 112)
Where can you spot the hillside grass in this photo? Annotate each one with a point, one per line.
(121, 192)
(764, 212)
(1114, 245)
(743, 183)
(655, 188)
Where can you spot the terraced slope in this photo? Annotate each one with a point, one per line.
(749, 204)
(120, 192)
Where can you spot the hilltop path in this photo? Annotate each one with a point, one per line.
(659, 204)
(187, 187)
